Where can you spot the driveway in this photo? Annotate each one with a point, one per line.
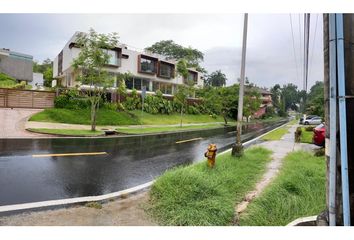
(12, 122)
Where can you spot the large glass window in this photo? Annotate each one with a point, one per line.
(155, 86)
(169, 89)
(166, 88)
(192, 76)
(147, 65)
(129, 84)
(113, 60)
(166, 70)
(137, 83)
(146, 83)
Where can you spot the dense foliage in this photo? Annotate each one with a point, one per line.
(289, 97)
(215, 79)
(315, 100)
(172, 50)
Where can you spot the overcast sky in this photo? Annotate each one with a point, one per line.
(270, 54)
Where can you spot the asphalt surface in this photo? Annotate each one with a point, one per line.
(130, 161)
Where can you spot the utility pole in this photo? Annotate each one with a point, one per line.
(237, 149)
(339, 91)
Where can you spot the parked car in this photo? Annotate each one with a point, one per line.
(307, 118)
(313, 121)
(319, 133)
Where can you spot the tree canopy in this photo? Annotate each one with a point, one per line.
(315, 99)
(215, 79)
(172, 50)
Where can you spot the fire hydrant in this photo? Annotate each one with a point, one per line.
(210, 154)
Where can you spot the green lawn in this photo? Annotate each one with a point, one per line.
(276, 134)
(82, 116)
(298, 191)
(306, 136)
(67, 132)
(142, 130)
(175, 118)
(198, 196)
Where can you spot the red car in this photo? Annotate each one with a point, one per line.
(319, 133)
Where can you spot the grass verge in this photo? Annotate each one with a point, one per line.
(67, 132)
(175, 118)
(82, 116)
(276, 134)
(306, 136)
(198, 196)
(167, 128)
(298, 191)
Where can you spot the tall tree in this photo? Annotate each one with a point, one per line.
(172, 50)
(291, 96)
(216, 79)
(315, 99)
(90, 65)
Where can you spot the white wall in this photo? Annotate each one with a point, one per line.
(37, 79)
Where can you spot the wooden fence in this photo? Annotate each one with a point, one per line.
(18, 98)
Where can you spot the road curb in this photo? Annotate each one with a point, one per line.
(69, 201)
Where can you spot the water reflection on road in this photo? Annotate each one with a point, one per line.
(130, 161)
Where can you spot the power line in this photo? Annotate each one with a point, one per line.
(313, 45)
(306, 48)
(292, 34)
(300, 37)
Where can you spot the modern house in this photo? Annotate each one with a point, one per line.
(16, 65)
(153, 71)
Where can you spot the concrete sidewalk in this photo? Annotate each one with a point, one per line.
(280, 149)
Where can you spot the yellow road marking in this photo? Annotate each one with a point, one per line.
(189, 140)
(69, 154)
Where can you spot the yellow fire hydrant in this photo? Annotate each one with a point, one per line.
(210, 154)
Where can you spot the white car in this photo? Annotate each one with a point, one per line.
(313, 121)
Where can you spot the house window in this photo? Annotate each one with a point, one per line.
(192, 77)
(166, 88)
(137, 83)
(146, 83)
(166, 70)
(129, 83)
(60, 63)
(113, 57)
(147, 64)
(155, 86)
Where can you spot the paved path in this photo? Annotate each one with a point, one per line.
(280, 149)
(13, 121)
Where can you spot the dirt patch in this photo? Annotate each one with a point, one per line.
(123, 212)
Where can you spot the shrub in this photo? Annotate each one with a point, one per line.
(309, 129)
(71, 99)
(192, 110)
(132, 102)
(319, 152)
(298, 134)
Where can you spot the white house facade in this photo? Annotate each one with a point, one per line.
(149, 70)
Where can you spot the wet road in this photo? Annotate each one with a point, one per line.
(129, 161)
